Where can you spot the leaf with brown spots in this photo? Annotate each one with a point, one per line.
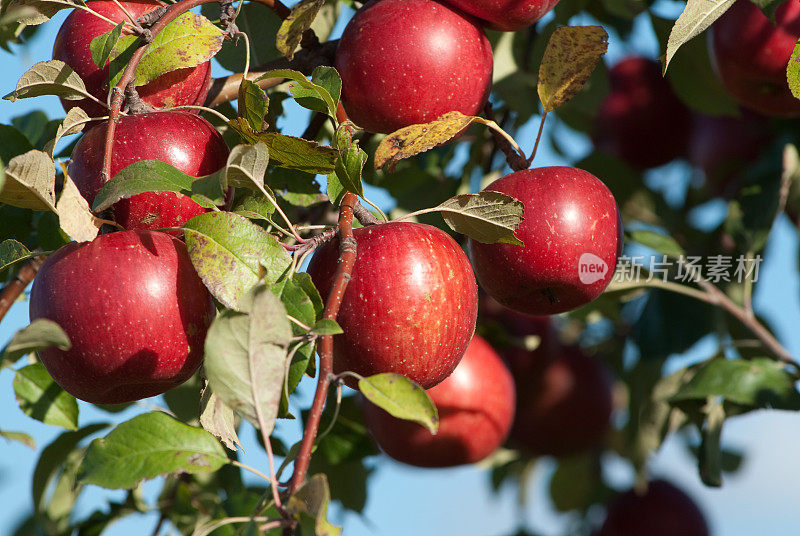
(401, 398)
(569, 59)
(292, 28)
(415, 139)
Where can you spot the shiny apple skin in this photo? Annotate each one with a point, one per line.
(404, 62)
(176, 88)
(476, 408)
(410, 306)
(663, 510)
(568, 213)
(186, 141)
(506, 15)
(750, 56)
(641, 120)
(134, 309)
(564, 400)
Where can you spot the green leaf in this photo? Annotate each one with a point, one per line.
(401, 398)
(139, 177)
(52, 77)
(20, 437)
(696, 17)
(307, 93)
(487, 216)
(291, 152)
(30, 182)
(793, 71)
(349, 167)
(102, 46)
(255, 206)
(663, 244)
(326, 326)
(12, 251)
(253, 104)
(309, 505)
(187, 41)
(40, 334)
(53, 456)
(752, 383)
(42, 399)
(147, 446)
(230, 253)
(246, 358)
(571, 55)
(752, 214)
(298, 21)
(328, 78)
(14, 143)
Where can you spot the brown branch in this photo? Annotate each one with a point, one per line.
(347, 259)
(364, 216)
(117, 93)
(11, 292)
(750, 322)
(226, 88)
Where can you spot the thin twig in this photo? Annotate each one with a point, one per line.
(538, 138)
(347, 259)
(514, 156)
(364, 216)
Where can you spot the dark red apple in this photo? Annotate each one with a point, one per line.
(476, 407)
(175, 88)
(410, 306)
(572, 235)
(135, 312)
(723, 148)
(641, 120)
(750, 56)
(409, 61)
(183, 140)
(563, 403)
(506, 15)
(663, 510)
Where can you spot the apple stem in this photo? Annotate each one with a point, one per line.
(538, 138)
(365, 217)
(347, 259)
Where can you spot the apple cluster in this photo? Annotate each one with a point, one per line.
(137, 313)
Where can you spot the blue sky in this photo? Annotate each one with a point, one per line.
(761, 498)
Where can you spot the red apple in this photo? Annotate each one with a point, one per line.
(572, 235)
(176, 88)
(409, 61)
(476, 407)
(723, 148)
(663, 510)
(135, 312)
(410, 306)
(641, 121)
(564, 400)
(183, 140)
(506, 15)
(750, 56)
